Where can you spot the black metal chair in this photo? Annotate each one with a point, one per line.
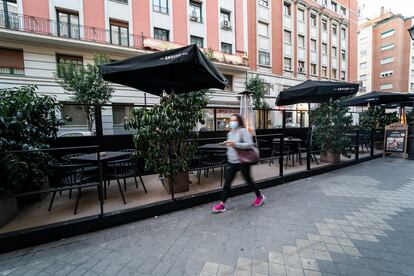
(287, 152)
(122, 169)
(265, 148)
(133, 154)
(70, 177)
(211, 159)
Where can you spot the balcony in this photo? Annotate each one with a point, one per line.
(76, 32)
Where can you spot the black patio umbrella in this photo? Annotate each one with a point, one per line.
(378, 98)
(179, 70)
(312, 91)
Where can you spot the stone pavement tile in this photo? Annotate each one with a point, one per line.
(327, 266)
(312, 273)
(244, 264)
(350, 250)
(277, 269)
(345, 241)
(322, 255)
(330, 239)
(240, 272)
(276, 257)
(307, 253)
(369, 237)
(293, 271)
(225, 270)
(310, 264)
(161, 269)
(260, 267)
(334, 248)
(290, 250)
(355, 236)
(314, 237)
(293, 261)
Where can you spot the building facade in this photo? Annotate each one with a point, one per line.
(385, 54)
(284, 41)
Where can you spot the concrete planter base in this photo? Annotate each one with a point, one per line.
(330, 157)
(8, 207)
(182, 183)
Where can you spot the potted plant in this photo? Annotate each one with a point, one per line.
(164, 136)
(376, 118)
(330, 124)
(27, 120)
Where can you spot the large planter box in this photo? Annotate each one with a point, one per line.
(35, 197)
(182, 183)
(330, 157)
(8, 210)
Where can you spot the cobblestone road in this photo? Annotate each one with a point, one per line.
(356, 221)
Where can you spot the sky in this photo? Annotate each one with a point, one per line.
(371, 8)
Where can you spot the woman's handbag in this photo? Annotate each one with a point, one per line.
(248, 156)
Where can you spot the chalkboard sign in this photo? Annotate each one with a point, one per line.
(395, 139)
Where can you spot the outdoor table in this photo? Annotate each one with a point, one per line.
(287, 139)
(103, 158)
(216, 146)
(290, 141)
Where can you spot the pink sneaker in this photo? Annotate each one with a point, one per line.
(219, 208)
(259, 201)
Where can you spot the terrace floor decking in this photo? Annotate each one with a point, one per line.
(37, 214)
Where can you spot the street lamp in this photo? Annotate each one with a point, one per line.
(411, 123)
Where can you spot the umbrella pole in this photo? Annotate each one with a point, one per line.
(308, 142)
(171, 170)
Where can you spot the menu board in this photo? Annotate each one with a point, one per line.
(395, 139)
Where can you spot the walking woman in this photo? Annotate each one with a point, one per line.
(237, 138)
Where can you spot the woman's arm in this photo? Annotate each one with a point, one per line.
(246, 140)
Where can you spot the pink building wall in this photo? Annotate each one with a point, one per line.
(239, 25)
(212, 24)
(180, 21)
(94, 16)
(141, 17)
(38, 8)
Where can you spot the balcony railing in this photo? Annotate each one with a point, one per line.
(42, 26)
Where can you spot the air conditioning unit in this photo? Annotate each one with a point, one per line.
(194, 16)
(226, 23)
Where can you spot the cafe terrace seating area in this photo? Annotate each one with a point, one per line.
(77, 173)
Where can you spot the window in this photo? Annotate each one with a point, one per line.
(388, 33)
(324, 48)
(161, 34)
(11, 62)
(324, 25)
(120, 113)
(229, 86)
(268, 88)
(334, 73)
(225, 17)
(363, 65)
(160, 6)
(343, 54)
(343, 75)
(334, 30)
(199, 41)
(313, 45)
(387, 47)
(386, 74)
(301, 66)
(363, 53)
(287, 63)
(287, 36)
(301, 15)
(9, 8)
(387, 60)
(61, 58)
(287, 9)
(386, 86)
(263, 29)
(119, 32)
(313, 20)
(121, 1)
(74, 115)
(301, 41)
(196, 13)
(264, 3)
(226, 48)
(363, 77)
(324, 71)
(68, 24)
(343, 10)
(313, 69)
(343, 33)
(264, 58)
(334, 6)
(334, 52)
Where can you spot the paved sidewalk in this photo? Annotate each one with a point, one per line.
(356, 221)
